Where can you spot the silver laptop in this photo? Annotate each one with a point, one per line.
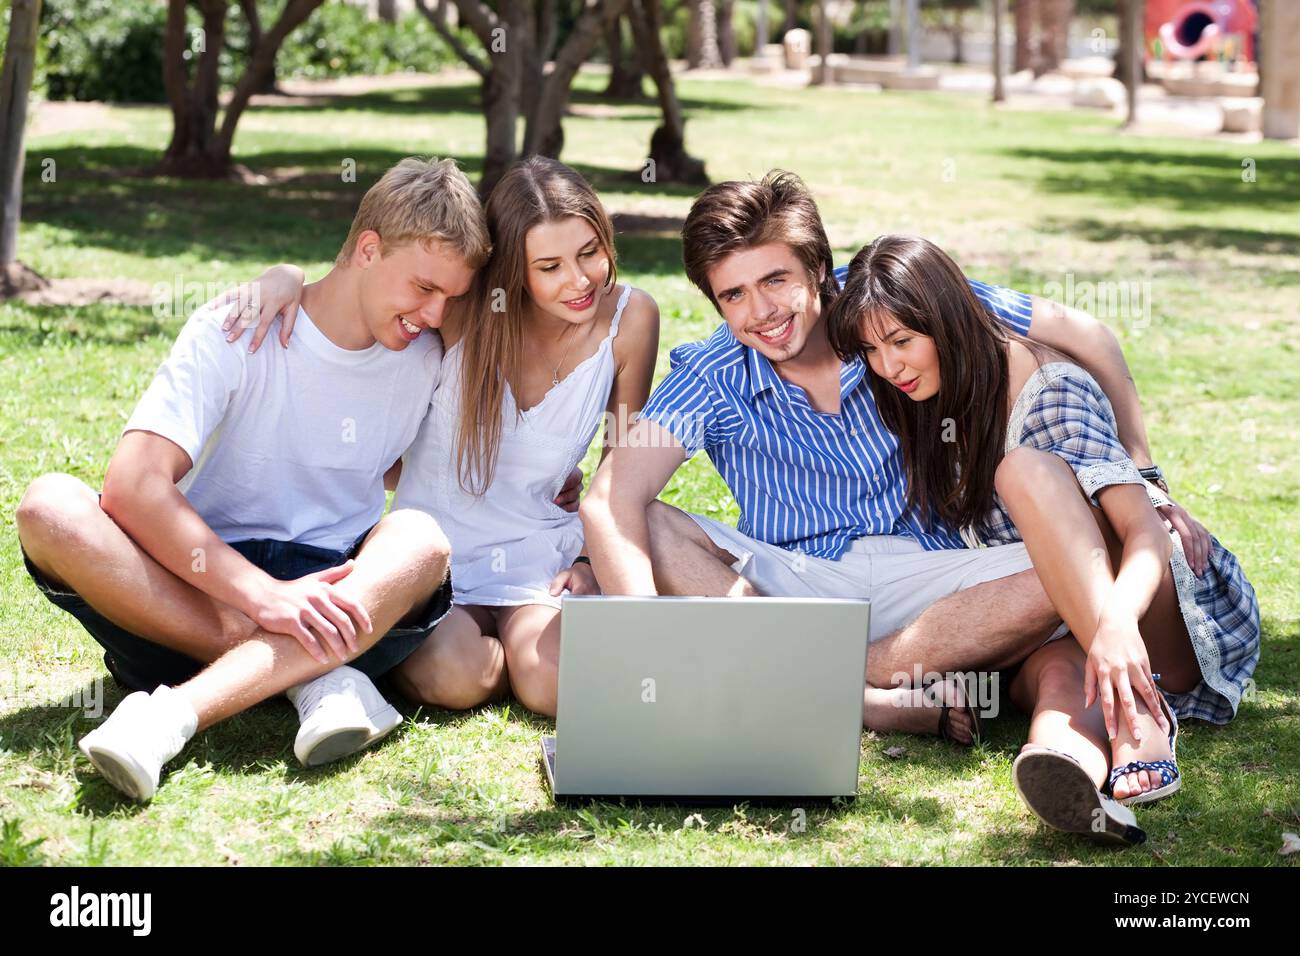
(687, 697)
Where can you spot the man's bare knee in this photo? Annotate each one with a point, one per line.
(54, 512)
(420, 542)
(670, 527)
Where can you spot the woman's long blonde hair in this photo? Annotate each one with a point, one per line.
(535, 190)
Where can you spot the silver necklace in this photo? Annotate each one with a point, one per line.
(555, 375)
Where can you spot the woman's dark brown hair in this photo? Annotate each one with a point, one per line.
(951, 443)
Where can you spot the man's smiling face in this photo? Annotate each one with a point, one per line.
(768, 299)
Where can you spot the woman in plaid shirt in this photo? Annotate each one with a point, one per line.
(1011, 443)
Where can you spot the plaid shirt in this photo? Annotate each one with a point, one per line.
(1062, 410)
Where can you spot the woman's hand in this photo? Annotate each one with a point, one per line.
(1195, 538)
(570, 492)
(1116, 670)
(578, 579)
(277, 291)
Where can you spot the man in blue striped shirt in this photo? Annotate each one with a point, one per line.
(796, 435)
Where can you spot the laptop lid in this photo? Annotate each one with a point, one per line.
(690, 696)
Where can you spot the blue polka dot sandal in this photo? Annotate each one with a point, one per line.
(1170, 779)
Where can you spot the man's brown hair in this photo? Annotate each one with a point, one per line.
(741, 214)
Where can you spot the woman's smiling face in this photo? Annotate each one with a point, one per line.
(567, 268)
(906, 359)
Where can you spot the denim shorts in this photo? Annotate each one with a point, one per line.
(140, 664)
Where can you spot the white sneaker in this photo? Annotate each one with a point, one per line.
(341, 712)
(131, 746)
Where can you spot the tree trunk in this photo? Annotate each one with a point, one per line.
(249, 7)
(671, 162)
(1132, 46)
(1279, 56)
(727, 50)
(999, 29)
(261, 67)
(1054, 20)
(702, 37)
(507, 37)
(197, 148)
(503, 101)
(15, 87)
(537, 35)
(386, 10)
(913, 34)
(791, 17)
(760, 32)
(194, 150)
(626, 74)
(823, 75)
(958, 35)
(544, 134)
(1026, 17)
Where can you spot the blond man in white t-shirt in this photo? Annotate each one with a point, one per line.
(239, 548)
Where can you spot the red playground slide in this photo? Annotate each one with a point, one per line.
(1196, 29)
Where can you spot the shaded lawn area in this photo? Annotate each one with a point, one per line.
(1033, 200)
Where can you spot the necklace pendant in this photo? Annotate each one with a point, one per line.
(554, 382)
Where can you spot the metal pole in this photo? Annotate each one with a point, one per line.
(913, 34)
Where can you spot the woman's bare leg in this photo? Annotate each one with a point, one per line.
(459, 666)
(1070, 541)
(530, 634)
(1049, 687)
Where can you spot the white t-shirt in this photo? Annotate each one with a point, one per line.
(288, 444)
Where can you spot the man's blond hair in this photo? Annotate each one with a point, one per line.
(422, 201)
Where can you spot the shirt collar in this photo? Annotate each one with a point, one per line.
(761, 374)
(763, 377)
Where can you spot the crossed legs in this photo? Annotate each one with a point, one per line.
(1001, 621)
(75, 544)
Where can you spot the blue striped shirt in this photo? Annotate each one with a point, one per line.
(805, 480)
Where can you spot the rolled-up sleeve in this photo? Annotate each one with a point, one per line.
(683, 405)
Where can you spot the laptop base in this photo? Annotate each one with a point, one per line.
(684, 800)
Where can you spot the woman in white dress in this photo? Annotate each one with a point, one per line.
(545, 347)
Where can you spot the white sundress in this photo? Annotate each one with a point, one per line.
(508, 544)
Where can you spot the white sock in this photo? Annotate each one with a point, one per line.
(178, 711)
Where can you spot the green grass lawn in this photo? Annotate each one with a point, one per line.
(1033, 200)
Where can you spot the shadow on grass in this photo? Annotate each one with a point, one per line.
(1211, 238)
(1190, 181)
(50, 326)
(464, 99)
(1240, 787)
(301, 214)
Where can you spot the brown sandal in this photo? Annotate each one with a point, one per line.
(945, 720)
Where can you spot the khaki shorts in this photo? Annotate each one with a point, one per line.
(898, 576)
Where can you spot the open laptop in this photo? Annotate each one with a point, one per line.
(708, 699)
